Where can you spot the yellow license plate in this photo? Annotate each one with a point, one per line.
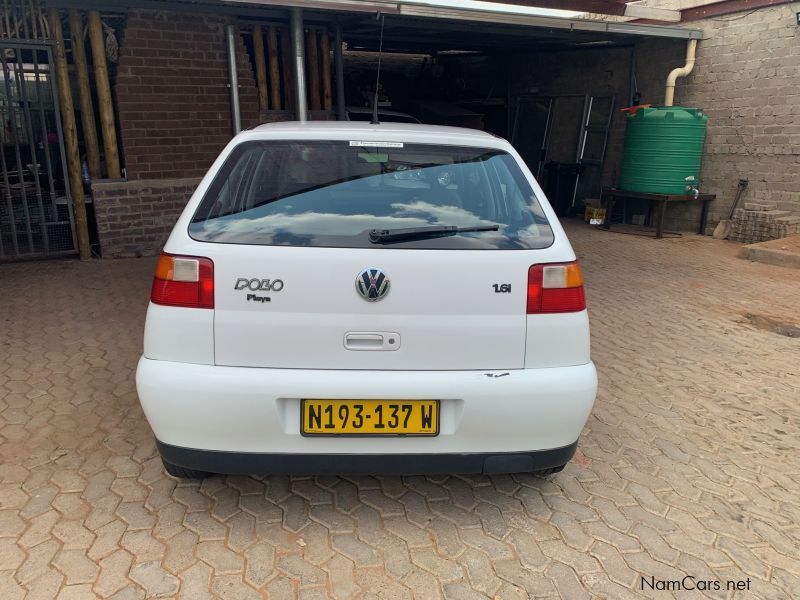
(370, 417)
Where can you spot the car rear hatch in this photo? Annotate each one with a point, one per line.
(289, 228)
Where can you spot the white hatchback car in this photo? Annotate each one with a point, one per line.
(348, 297)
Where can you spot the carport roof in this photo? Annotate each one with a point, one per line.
(427, 26)
(412, 26)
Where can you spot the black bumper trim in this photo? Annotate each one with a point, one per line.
(230, 463)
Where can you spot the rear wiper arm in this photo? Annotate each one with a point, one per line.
(387, 236)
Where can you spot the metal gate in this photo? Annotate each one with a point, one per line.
(35, 204)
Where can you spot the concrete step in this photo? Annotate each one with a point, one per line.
(760, 206)
(784, 252)
(760, 215)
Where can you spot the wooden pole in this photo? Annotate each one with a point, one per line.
(104, 94)
(312, 60)
(261, 67)
(325, 55)
(6, 16)
(84, 94)
(32, 9)
(70, 135)
(288, 70)
(274, 71)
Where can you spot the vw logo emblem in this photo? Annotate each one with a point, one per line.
(372, 284)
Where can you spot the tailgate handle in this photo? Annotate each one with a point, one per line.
(371, 340)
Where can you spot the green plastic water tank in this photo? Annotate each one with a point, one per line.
(663, 148)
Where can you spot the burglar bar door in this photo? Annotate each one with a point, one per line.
(35, 204)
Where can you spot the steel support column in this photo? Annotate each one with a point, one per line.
(299, 54)
(236, 116)
(341, 111)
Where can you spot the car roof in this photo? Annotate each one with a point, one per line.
(337, 129)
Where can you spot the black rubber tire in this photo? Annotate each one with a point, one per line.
(183, 472)
(551, 471)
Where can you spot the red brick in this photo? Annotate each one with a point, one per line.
(172, 94)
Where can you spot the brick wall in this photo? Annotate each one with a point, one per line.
(172, 93)
(746, 78)
(134, 218)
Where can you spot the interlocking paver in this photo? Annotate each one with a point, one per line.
(261, 508)
(169, 521)
(340, 575)
(688, 464)
(566, 581)
(37, 562)
(156, 581)
(396, 557)
(114, 571)
(76, 592)
(226, 503)
(517, 575)
(195, 582)
(353, 548)
(107, 540)
(180, 551)
(46, 585)
(281, 587)
(490, 546)
(260, 564)
(301, 570)
(143, 545)
(76, 566)
(423, 585)
(315, 541)
(446, 537)
(72, 534)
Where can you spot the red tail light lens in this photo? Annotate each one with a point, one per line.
(186, 281)
(555, 288)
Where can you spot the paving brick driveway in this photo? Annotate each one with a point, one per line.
(689, 464)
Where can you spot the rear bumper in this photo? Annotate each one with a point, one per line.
(249, 411)
(352, 464)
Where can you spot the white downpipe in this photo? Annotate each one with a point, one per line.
(236, 113)
(299, 52)
(691, 51)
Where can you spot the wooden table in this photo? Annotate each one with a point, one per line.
(608, 197)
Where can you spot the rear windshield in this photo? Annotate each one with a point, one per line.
(333, 194)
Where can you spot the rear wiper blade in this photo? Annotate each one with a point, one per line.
(387, 236)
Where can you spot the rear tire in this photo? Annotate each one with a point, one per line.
(183, 472)
(551, 471)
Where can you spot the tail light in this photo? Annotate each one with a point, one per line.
(186, 281)
(555, 288)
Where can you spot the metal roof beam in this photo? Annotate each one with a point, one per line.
(597, 26)
(601, 7)
(432, 11)
(726, 7)
(618, 8)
